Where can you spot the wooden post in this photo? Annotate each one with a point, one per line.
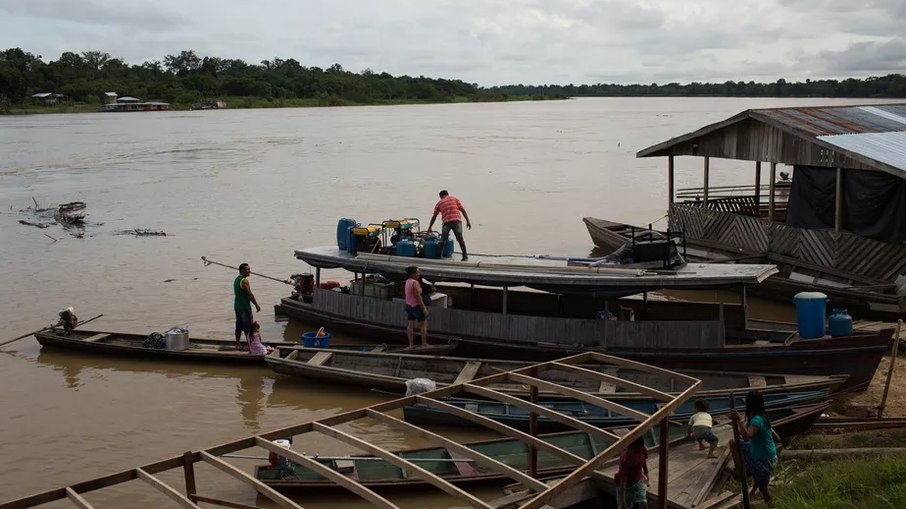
(670, 187)
(189, 473)
(707, 177)
(533, 428)
(838, 204)
(893, 363)
(757, 188)
(771, 191)
(318, 277)
(738, 460)
(504, 300)
(662, 465)
(745, 307)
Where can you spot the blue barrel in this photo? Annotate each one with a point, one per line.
(448, 248)
(312, 340)
(839, 323)
(405, 247)
(342, 226)
(431, 247)
(810, 309)
(352, 241)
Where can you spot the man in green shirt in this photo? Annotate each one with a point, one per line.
(243, 298)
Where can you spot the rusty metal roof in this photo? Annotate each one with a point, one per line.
(824, 121)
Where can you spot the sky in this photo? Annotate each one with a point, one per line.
(489, 42)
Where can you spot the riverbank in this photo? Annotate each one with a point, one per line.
(238, 103)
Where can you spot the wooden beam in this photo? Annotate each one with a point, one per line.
(757, 188)
(77, 499)
(603, 358)
(538, 409)
(505, 293)
(614, 380)
(189, 474)
(408, 466)
(579, 395)
(663, 443)
(838, 204)
(323, 470)
(166, 489)
(585, 470)
(262, 488)
(671, 183)
(771, 187)
(461, 450)
(707, 177)
(503, 429)
(224, 503)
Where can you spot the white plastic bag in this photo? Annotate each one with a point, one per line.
(419, 385)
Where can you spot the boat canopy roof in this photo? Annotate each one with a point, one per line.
(542, 273)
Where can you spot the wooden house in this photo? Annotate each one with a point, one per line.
(839, 225)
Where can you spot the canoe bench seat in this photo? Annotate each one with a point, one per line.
(96, 337)
(320, 358)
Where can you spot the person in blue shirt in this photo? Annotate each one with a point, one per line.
(756, 444)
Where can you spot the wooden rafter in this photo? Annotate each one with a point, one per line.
(262, 488)
(77, 499)
(615, 380)
(579, 395)
(166, 489)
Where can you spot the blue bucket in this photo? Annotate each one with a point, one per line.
(312, 340)
(810, 311)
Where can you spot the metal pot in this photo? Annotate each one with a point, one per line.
(176, 339)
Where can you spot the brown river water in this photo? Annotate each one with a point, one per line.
(252, 185)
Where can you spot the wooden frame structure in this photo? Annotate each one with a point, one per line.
(543, 493)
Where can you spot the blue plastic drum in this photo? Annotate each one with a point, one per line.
(810, 311)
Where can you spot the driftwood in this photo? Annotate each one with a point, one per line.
(142, 232)
(840, 453)
(39, 225)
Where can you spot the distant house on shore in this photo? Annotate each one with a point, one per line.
(209, 104)
(47, 98)
(130, 104)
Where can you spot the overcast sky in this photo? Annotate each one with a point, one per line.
(489, 42)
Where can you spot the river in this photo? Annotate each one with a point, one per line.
(252, 185)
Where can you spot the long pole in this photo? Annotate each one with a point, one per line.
(741, 467)
(209, 262)
(890, 370)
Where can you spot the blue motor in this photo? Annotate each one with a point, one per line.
(343, 225)
(405, 247)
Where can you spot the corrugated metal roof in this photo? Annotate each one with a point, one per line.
(823, 121)
(888, 148)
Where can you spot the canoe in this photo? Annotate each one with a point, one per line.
(518, 418)
(200, 350)
(379, 475)
(390, 371)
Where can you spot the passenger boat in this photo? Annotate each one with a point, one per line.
(377, 474)
(390, 371)
(517, 417)
(198, 350)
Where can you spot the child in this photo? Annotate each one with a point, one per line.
(756, 447)
(700, 425)
(632, 476)
(256, 347)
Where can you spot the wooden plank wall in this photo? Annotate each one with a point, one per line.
(850, 253)
(516, 328)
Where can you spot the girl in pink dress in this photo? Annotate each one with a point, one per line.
(256, 347)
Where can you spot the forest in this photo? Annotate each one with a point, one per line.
(182, 79)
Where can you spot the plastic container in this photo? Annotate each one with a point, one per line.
(342, 226)
(352, 241)
(312, 340)
(405, 247)
(810, 310)
(840, 323)
(448, 248)
(431, 247)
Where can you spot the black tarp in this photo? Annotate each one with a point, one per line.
(874, 203)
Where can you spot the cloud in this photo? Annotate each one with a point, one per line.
(861, 57)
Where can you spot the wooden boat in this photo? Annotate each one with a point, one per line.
(380, 475)
(389, 371)
(200, 350)
(518, 418)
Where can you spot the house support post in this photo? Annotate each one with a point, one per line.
(838, 204)
(757, 189)
(670, 188)
(771, 191)
(505, 292)
(663, 440)
(707, 177)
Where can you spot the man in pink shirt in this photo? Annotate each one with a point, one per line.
(451, 213)
(416, 310)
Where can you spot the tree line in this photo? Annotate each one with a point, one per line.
(187, 77)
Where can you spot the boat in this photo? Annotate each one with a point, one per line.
(834, 224)
(377, 474)
(198, 350)
(390, 371)
(518, 417)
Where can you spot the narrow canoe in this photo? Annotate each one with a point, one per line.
(390, 371)
(200, 350)
(518, 418)
(379, 475)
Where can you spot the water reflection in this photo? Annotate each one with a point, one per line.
(250, 395)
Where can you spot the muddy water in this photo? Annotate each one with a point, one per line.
(251, 186)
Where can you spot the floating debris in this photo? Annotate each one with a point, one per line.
(39, 225)
(142, 232)
(72, 213)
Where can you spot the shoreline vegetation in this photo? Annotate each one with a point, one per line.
(78, 82)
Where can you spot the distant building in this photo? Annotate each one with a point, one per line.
(47, 98)
(209, 104)
(108, 97)
(131, 104)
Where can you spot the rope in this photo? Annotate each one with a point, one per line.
(209, 262)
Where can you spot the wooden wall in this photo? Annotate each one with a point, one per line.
(516, 328)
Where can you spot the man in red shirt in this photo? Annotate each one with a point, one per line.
(451, 212)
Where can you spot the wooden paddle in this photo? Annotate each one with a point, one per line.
(44, 329)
